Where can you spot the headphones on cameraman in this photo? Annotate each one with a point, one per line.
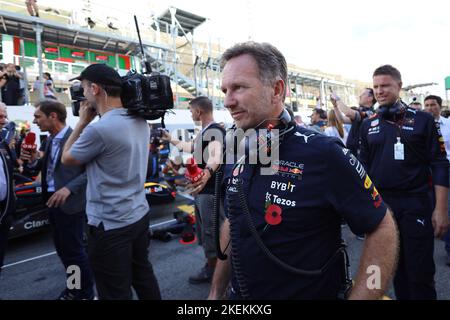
(392, 112)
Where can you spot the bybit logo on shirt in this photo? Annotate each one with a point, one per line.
(281, 186)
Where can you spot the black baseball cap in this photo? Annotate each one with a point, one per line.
(100, 73)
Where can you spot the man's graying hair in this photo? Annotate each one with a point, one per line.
(271, 62)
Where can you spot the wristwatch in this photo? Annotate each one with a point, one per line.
(211, 171)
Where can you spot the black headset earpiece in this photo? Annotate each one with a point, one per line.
(250, 143)
(286, 118)
(392, 112)
(383, 111)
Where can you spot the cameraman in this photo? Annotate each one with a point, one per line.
(116, 164)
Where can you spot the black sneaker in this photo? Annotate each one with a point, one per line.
(66, 295)
(204, 276)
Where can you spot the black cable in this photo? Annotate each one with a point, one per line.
(216, 213)
(269, 254)
(234, 234)
(235, 260)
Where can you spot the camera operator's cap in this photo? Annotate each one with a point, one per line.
(100, 73)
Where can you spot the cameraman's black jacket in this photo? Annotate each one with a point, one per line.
(11, 90)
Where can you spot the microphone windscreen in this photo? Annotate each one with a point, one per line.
(30, 138)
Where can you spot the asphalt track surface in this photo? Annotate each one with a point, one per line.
(33, 271)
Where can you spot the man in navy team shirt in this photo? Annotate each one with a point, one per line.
(287, 245)
(404, 153)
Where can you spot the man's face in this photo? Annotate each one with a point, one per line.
(386, 89)
(365, 99)
(247, 97)
(432, 106)
(10, 67)
(3, 117)
(195, 113)
(314, 117)
(42, 121)
(87, 90)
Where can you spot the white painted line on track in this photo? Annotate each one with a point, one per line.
(186, 196)
(54, 252)
(30, 259)
(153, 226)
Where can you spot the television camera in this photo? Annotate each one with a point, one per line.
(148, 95)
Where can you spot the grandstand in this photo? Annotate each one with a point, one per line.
(64, 43)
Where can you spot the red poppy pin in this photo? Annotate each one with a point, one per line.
(273, 215)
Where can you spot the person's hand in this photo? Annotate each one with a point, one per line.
(87, 112)
(28, 155)
(440, 222)
(196, 187)
(12, 144)
(165, 136)
(58, 198)
(334, 99)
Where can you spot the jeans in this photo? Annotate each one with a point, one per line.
(68, 230)
(119, 259)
